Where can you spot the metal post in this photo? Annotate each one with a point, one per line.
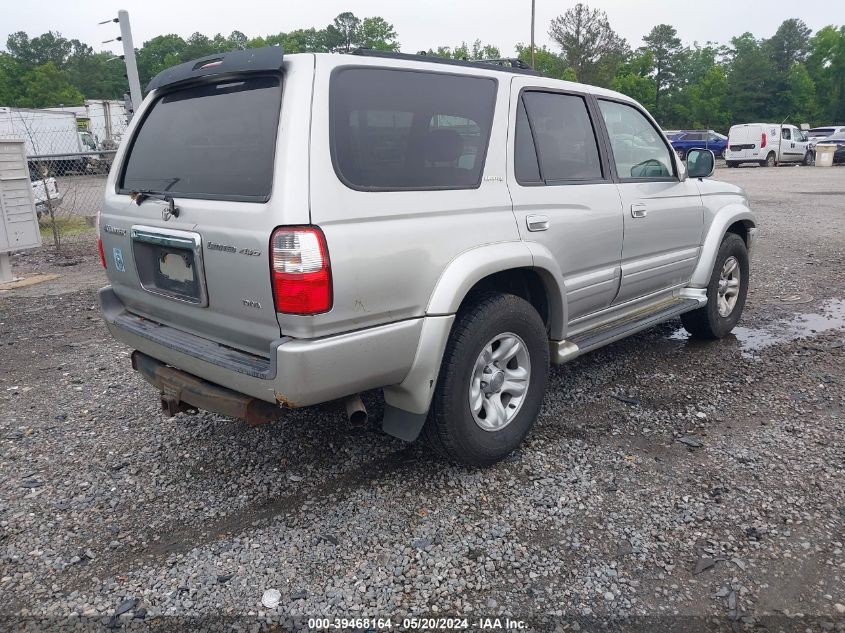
(533, 12)
(129, 58)
(5, 268)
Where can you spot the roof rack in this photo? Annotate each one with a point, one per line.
(508, 64)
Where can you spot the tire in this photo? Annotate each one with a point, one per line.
(731, 163)
(808, 159)
(770, 160)
(452, 429)
(708, 322)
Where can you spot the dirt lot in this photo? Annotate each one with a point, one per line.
(668, 485)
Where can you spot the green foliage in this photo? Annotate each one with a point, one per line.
(546, 62)
(667, 53)
(47, 85)
(589, 46)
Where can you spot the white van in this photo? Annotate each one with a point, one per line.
(766, 144)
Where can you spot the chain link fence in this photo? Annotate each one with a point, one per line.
(69, 154)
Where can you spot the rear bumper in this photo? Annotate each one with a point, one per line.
(295, 372)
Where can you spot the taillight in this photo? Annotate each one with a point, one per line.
(299, 264)
(763, 141)
(102, 252)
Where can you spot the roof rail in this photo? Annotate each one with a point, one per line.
(512, 65)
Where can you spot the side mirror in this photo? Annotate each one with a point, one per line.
(700, 163)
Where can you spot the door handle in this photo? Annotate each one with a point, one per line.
(638, 210)
(537, 222)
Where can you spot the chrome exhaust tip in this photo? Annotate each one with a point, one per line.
(356, 412)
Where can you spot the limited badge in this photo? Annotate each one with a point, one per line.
(118, 260)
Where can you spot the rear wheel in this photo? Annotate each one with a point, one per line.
(732, 163)
(492, 380)
(726, 292)
(770, 160)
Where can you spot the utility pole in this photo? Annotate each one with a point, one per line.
(128, 57)
(533, 13)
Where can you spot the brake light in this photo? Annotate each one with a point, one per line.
(299, 265)
(763, 141)
(102, 252)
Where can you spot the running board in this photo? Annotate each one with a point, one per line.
(566, 350)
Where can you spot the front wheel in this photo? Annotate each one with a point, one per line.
(809, 159)
(726, 292)
(492, 380)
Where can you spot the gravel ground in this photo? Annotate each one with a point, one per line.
(668, 484)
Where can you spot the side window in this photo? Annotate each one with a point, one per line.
(396, 129)
(566, 147)
(786, 134)
(638, 150)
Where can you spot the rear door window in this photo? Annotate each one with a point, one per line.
(215, 141)
(563, 135)
(397, 129)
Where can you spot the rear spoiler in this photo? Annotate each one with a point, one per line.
(251, 60)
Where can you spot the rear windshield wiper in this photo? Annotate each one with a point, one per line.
(140, 195)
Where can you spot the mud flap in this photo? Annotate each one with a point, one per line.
(402, 424)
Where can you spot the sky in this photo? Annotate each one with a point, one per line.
(420, 25)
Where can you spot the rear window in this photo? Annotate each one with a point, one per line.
(396, 129)
(214, 141)
(820, 132)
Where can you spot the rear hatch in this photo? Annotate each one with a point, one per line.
(744, 141)
(203, 266)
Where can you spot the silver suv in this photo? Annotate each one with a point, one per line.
(285, 230)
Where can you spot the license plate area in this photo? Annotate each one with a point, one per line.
(169, 263)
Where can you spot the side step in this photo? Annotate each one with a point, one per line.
(563, 351)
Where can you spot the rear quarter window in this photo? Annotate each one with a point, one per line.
(399, 129)
(213, 141)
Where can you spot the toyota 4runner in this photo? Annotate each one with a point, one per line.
(284, 230)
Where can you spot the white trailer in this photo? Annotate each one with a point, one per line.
(52, 138)
(105, 119)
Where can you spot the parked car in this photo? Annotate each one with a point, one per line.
(441, 230)
(686, 140)
(818, 134)
(767, 144)
(46, 193)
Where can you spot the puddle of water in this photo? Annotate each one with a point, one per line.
(831, 317)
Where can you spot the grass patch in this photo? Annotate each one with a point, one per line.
(68, 225)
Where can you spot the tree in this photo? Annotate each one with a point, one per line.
(476, 51)
(790, 44)
(749, 79)
(634, 78)
(798, 98)
(666, 49)
(546, 62)
(826, 67)
(46, 86)
(159, 53)
(591, 48)
(343, 35)
(378, 34)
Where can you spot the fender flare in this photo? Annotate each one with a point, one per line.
(724, 218)
(471, 266)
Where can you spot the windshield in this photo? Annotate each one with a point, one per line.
(214, 141)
